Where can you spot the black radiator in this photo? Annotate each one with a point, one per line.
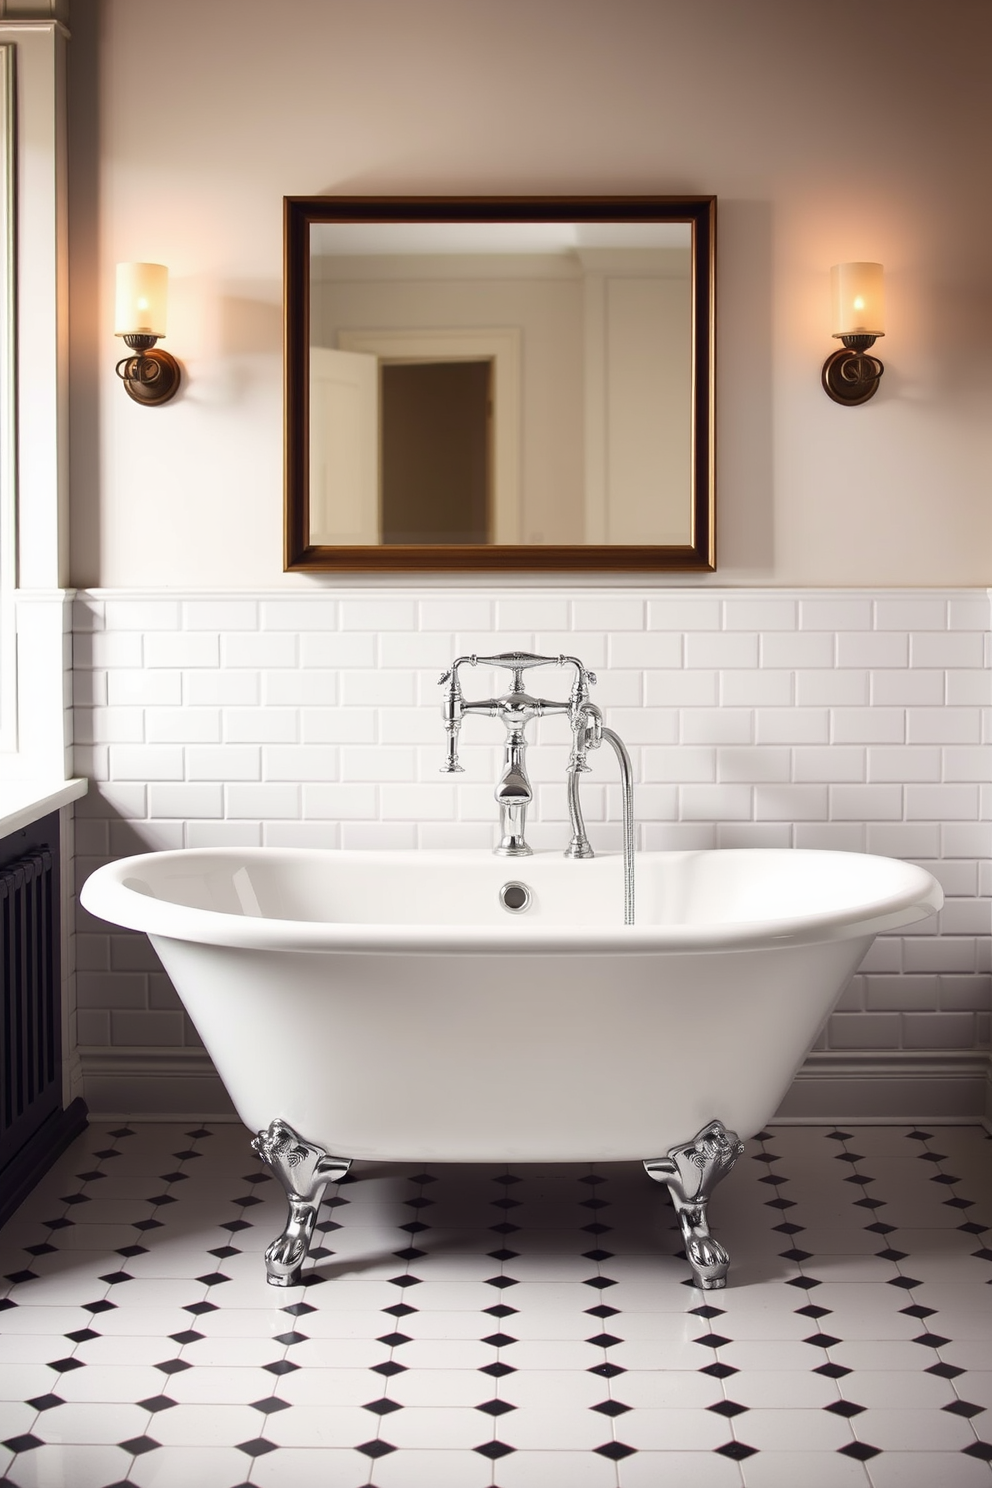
(33, 1126)
(30, 1067)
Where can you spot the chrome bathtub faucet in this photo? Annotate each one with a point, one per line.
(516, 707)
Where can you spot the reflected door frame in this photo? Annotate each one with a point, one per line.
(502, 347)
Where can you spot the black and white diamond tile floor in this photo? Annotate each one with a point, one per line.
(483, 1327)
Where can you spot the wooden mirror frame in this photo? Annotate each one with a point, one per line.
(301, 212)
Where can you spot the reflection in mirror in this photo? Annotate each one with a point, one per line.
(499, 384)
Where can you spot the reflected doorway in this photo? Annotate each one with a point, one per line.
(436, 451)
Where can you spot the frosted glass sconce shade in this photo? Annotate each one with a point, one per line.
(858, 292)
(859, 299)
(151, 376)
(141, 300)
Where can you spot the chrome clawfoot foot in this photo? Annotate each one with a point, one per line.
(304, 1170)
(691, 1173)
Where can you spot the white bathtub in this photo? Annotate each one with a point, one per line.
(387, 1006)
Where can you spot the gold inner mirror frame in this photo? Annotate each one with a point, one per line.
(594, 447)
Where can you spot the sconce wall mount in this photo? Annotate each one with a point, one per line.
(150, 375)
(851, 376)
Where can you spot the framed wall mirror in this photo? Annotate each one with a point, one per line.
(499, 383)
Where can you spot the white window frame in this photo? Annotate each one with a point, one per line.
(8, 405)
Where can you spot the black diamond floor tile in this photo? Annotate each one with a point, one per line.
(375, 1448)
(23, 1443)
(611, 1408)
(615, 1450)
(964, 1408)
(737, 1451)
(860, 1451)
(845, 1408)
(138, 1445)
(269, 1405)
(728, 1408)
(257, 1447)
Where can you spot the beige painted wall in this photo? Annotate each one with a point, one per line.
(828, 132)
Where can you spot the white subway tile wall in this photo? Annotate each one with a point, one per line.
(851, 721)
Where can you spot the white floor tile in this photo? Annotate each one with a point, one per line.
(535, 1469)
(202, 1425)
(434, 1429)
(16, 1417)
(913, 1430)
(321, 1426)
(74, 1424)
(692, 1469)
(925, 1469)
(322, 1467)
(83, 1466)
(427, 1469)
(190, 1467)
(21, 1381)
(108, 1383)
(818, 1469)
(673, 1430)
(661, 1389)
(459, 1388)
(782, 1390)
(219, 1386)
(793, 1430)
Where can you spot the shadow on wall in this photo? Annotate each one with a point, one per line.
(228, 343)
(123, 995)
(84, 279)
(744, 501)
(249, 327)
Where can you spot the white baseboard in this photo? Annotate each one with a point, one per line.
(950, 1087)
(947, 1086)
(154, 1085)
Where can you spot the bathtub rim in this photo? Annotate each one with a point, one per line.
(107, 895)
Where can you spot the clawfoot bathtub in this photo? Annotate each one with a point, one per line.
(370, 1004)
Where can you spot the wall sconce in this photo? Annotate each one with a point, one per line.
(849, 376)
(150, 376)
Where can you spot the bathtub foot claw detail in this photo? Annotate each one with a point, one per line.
(304, 1170)
(691, 1173)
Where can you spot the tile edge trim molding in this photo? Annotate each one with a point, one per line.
(953, 1086)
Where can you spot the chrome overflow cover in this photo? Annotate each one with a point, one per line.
(515, 897)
